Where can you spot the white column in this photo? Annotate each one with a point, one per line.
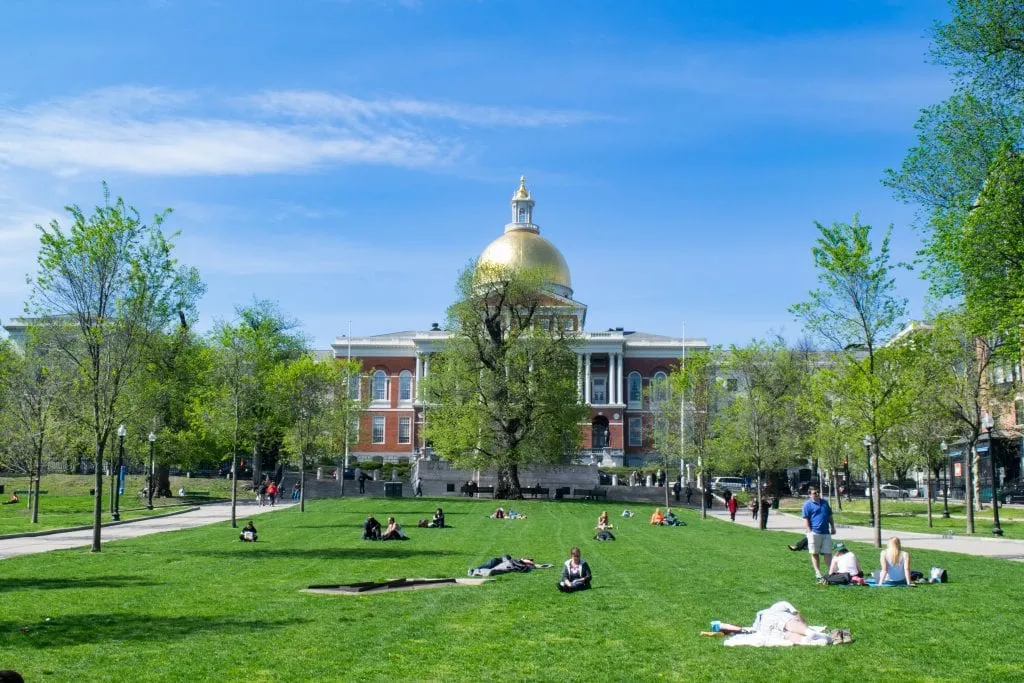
(579, 376)
(611, 377)
(618, 389)
(586, 379)
(426, 365)
(419, 375)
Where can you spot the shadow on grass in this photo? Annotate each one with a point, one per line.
(392, 550)
(9, 584)
(77, 629)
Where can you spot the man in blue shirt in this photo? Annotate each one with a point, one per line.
(818, 522)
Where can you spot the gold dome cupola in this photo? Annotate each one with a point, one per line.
(522, 246)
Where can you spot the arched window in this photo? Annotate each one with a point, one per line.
(635, 388)
(380, 386)
(659, 387)
(405, 386)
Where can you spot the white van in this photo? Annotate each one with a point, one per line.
(734, 484)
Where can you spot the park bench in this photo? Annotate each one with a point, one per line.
(562, 492)
(535, 491)
(590, 494)
(481, 490)
(26, 492)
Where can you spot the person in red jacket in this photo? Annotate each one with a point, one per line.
(272, 493)
(731, 504)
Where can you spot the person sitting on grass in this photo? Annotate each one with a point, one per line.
(371, 529)
(844, 562)
(13, 499)
(602, 521)
(438, 521)
(393, 532)
(657, 517)
(671, 519)
(895, 563)
(248, 533)
(575, 573)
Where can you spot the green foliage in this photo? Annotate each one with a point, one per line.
(698, 380)
(503, 390)
(103, 289)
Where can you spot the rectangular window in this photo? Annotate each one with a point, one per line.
(545, 324)
(569, 324)
(405, 386)
(636, 431)
(598, 395)
(405, 430)
(353, 387)
(378, 429)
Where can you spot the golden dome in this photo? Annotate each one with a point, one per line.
(522, 249)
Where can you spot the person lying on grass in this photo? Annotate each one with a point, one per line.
(393, 532)
(780, 625)
(498, 514)
(575, 573)
(504, 565)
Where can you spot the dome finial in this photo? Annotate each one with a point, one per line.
(522, 192)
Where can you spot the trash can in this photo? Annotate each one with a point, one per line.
(392, 489)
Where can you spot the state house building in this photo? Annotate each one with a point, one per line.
(618, 371)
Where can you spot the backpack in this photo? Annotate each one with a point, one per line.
(938, 575)
(838, 579)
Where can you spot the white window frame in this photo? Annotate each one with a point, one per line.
(639, 386)
(405, 386)
(637, 424)
(603, 382)
(379, 384)
(355, 383)
(383, 422)
(406, 424)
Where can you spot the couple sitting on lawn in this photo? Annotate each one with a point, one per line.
(667, 519)
(372, 530)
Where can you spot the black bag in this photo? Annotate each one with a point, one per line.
(938, 575)
(838, 579)
(604, 536)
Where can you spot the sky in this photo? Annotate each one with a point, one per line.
(347, 158)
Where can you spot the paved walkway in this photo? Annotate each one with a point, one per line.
(206, 514)
(1004, 548)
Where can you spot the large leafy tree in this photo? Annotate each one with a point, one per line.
(854, 310)
(504, 389)
(104, 287)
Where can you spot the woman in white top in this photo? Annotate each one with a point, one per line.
(895, 563)
(844, 562)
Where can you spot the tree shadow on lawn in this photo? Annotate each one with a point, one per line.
(9, 584)
(390, 550)
(77, 629)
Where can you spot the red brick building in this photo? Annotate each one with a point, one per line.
(618, 370)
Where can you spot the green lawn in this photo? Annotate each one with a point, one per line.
(913, 516)
(67, 502)
(198, 605)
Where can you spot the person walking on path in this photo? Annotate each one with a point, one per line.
(766, 505)
(820, 526)
(732, 505)
(272, 493)
(362, 482)
(689, 493)
(677, 489)
(418, 487)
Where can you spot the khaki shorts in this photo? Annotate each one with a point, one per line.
(819, 543)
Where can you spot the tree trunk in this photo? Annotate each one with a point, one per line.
(302, 481)
(97, 501)
(876, 493)
(39, 481)
(508, 483)
(976, 478)
(928, 483)
(871, 489)
(969, 485)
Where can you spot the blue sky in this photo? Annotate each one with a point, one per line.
(347, 158)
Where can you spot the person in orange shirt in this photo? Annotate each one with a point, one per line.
(657, 517)
(272, 493)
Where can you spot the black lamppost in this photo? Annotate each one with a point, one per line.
(871, 486)
(116, 493)
(149, 486)
(986, 423)
(846, 476)
(945, 490)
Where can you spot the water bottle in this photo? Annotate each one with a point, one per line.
(716, 626)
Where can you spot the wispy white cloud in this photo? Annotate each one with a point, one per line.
(153, 131)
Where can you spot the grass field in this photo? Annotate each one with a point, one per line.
(67, 502)
(913, 516)
(198, 605)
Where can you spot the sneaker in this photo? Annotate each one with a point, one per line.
(822, 581)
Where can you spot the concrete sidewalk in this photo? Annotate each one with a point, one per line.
(206, 514)
(1003, 548)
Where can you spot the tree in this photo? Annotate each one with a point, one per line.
(696, 388)
(503, 390)
(346, 410)
(757, 424)
(103, 288)
(855, 310)
(305, 389)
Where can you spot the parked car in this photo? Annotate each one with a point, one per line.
(1013, 494)
(889, 491)
(734, 484)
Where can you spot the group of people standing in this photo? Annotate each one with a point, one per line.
(266, 493)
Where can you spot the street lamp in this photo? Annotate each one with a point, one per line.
(986, 423)
(945, 490)
(116, 493)
(152, 467)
